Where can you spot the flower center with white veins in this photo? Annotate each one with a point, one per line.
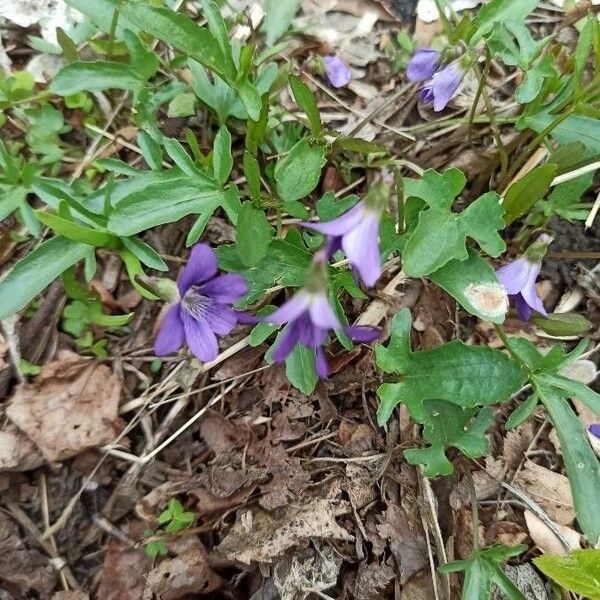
(195, 303)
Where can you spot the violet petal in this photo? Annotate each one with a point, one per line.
(523, 309)
(444, 85)
(171, 335)
(340, 226)
(362, 333)
(423, 64)
(220, 318)
(322, 314)
(287, 343)
(290, 310)
(321, 363)
(338, 72)
(361, 246)
(594, 429)
(201, 266)
(201, 340)
(225, 289)
(514, 275)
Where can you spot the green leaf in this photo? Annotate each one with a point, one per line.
(252, 174)
(95, 76)
(143, 62)
(298, 173)
(329, 207)
(78, 233)
(448, 425)
(582, 465)
(482, 570)
(159, 203)
(278, 18)
(182, 33)
(357, 145)
(307, 102)
(146, 253)
(183, 160)
(473, 283)
(151, 151)
(575, 128)
(480, 221)
(33, 273)
(100, 12)
(183, 105)
(285, 264)
(300, 368)
(499, 11)
(559, 324)
(222, 158)
(522, 412)
(575, 389)
(253, 235)
(250, 98)
(263, 330)
(464, 375)
(522, 195)
(578, 573)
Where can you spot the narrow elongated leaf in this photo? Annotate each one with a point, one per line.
(583, 468)
(95, 76)
(307, 102)
(160, 203)
(145, 253)
(522, 195)
(279, 15)
(37, 270)
(222, 158)
(76, 232)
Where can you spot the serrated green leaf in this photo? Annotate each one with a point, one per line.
(33, 273)
(467, 376)
(480, 221)
(298, 173)
(578, 573)
(448, 425)
(253, 235)
(473, 283)
(499, 11)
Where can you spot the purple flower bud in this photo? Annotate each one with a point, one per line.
(204, 308)
(423, 64)
(338, 72)
(442, 86)
(309, 319)
(594, 429)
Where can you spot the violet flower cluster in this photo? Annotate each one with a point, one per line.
(203, 308)
(441, 83)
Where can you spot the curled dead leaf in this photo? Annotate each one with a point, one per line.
(72, 406)
(546, 539)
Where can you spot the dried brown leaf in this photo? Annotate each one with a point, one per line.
(123, 572)
(223, 435)
(371, 579)
(185, 574)
(72, 406)
(25, 572)
(546, 539)
(550, 490)
(17, 451)
(259, 536)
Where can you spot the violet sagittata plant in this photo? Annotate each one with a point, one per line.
(202, 308)
(519, 276)
(423, 64)
(338, 72)
(309, 318)
(356, 232)
(442, 86)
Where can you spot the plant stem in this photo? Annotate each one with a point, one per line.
(113, 30)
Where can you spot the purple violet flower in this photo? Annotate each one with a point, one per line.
(423, 64)
(203, 309)
(442, 86)
(309, 319)
(518, 279)
(338, 72)
(594, 429)
(356, 232)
